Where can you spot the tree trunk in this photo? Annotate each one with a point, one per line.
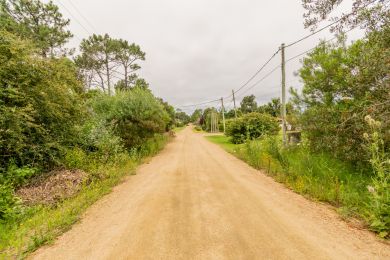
(126, 78)
(108, 76)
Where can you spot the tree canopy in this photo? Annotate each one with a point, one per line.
(248, 104)
(42, 23)
(370, 14)
(342, 85)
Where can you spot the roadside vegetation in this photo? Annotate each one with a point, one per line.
(342, 115)
(71, 127)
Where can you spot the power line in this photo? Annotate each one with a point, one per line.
(303, 53)
(327, 26)
(309, 35)
(245, 84)
(257, 82)
(269, 60)
(258, 71)
(82, 16)
(74, 17)
(203, 103)
(296, 56)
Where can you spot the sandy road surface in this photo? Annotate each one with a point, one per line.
(195, 201)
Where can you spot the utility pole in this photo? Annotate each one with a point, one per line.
(212, 122)
(223, 115)
(283, 112)
(234, 102)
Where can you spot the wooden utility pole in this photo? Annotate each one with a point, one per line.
(212, 122)
(283, 112)
(234, 102)
(223, 116)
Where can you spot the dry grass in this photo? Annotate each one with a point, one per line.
(52, 187)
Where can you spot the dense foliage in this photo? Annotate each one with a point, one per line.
(40, 105)
(205, 119)
(182, 118)
(341, 86)
(135, 115)
(56, 112)
(369, 14)
(100, 59)
(248, 104)
(39, 22)
(251, 126)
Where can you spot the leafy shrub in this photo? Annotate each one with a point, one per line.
(75, 158)
(134, 115)
(198, 128)
(251, 126)
(18, 176)
(341, 86)
(379, 206)
(98, 137)
(9, 204)
(14, 177)
(39, 105)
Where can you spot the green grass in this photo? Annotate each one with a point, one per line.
(317, 176)
(42, 224)
(179, 128)
(225, 143)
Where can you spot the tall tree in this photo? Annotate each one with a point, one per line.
(97, 60)
(127, 55)
(273, 107)
(102, 58)
(40, 22)
(196, 115)
(182, 118)
(133, 82)
(248, 104)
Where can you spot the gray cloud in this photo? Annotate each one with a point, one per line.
(199, 50)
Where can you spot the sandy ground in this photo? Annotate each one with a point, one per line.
(195, 201)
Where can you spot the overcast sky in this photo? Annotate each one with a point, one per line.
(199, 50)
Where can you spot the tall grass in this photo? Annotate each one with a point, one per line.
(40, 224)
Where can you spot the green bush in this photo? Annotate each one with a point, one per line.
(135, 115)
(18, 176)
(9, 204)
(75, 158)
(251, 126)
(342, 85)
(40, 105)
(98, 137)
(379, 206)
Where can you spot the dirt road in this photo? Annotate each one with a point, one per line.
(195, 201)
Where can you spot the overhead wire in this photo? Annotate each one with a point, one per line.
(327, 26)
(303, 53)
(74, 17)
(258, 71)
(253, 76)
(82, 16)
(260, 80)
(203, 103)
